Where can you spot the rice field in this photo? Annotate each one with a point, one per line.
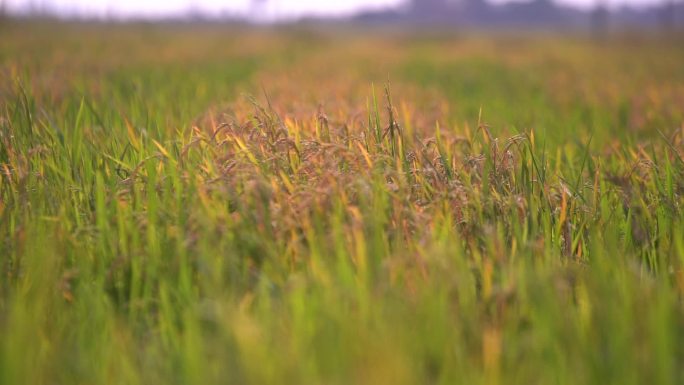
(207, 204)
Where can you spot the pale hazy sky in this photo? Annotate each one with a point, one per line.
(267, 10)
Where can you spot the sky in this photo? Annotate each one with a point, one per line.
(257, 9)
(271, 9)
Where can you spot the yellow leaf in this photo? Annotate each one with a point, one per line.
(365, 155)
(131, 135)
(161, 148)
(286, 181)
(564, 207)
